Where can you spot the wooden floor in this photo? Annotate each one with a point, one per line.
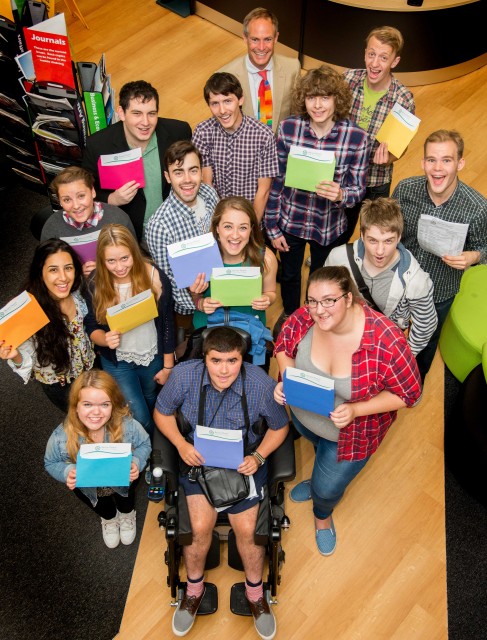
(387, 578)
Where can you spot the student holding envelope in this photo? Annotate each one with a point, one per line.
(237, 231)
(61, 350)
(374, 372)
(98, 413)
(81, 214)
(295, 217)
(141, 358)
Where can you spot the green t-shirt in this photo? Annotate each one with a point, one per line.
(371, 98)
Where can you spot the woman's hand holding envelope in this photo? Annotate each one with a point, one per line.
(6, 351)
(134, 472)
(199, 285)
(71, 479)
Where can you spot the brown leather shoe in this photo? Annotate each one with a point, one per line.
(184, 616)
(264, 620)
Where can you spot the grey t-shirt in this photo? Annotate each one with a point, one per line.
(380, 285)
(320, 425)
(55, 227)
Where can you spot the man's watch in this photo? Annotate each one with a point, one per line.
(260, 459)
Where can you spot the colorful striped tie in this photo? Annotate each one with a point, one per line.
(264, 100)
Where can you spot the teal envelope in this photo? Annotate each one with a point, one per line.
(104, 465)
(236, 290)
(306, 174)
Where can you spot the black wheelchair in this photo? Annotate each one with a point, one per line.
(175, 521)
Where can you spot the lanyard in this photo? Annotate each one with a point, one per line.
(202, 402)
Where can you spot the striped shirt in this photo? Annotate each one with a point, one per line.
(383, 362)
(182, 391)
(466, 206)
(174, 221)
(397, 92)
(237, 159)
(303, 213)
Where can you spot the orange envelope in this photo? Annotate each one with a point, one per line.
(20, 319)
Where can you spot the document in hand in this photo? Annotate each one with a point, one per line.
(85, 246)
(309, 391)
(306, 167)
(236, 286)
(190, 257)
(441, 237)
(116, 169)
(20, 319)
(219, 447)
(104, 465)
(398, 129)
(132, 312)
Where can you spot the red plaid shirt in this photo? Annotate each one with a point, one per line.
(383, 361)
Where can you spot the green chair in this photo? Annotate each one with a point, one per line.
(464, 333)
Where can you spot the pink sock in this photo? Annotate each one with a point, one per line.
(254, 591)
(195, 587)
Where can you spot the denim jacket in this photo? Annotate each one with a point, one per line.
(58, 464)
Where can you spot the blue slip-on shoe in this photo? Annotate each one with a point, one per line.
(326, 540)
(301, 492)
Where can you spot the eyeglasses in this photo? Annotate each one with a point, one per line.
(327, 302)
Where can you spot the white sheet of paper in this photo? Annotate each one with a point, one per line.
(105, 449)
(192, 244)
(111, 159)
(313, 379)
(315, 155)
(440, 237)
(227, 435)
(230, 273)
(404, 116)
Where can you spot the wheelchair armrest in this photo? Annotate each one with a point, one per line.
(170, 459)
(281, 465)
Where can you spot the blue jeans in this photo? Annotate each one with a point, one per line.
(138, 386)
(330, 478)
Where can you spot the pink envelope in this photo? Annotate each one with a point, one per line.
(114, 176)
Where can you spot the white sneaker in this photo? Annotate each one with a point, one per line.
(127, 527)
(111, 532)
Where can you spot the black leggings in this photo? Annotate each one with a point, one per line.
(107, 506)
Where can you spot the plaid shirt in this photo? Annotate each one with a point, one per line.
(174, 221)
(92, 221)
(378, 174)
(303, 213)
(383, 361)
(465, 206)
(237, 159)
(182, 390)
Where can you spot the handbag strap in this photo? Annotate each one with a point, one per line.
(202, 401)
(362, 287)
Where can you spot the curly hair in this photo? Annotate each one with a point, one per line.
(253, 251)
(324, 81)
(53, 341)
(73, 426)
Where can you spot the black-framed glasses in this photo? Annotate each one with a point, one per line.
(326, 302)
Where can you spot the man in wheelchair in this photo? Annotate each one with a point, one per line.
(222, 392)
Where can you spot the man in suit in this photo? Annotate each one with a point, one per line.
(260, 33)
(139, 126)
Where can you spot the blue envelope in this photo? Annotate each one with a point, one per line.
(190, 257)
(104, 465)
(309, 391)
(219, 447)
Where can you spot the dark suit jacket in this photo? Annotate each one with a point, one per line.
(112, 140)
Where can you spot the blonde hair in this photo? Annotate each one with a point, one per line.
(73, 426)
(389, 36)
(105, 294)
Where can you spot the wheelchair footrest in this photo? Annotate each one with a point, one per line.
(238, 602)
(209, 604)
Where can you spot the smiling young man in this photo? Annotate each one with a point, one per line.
(239, 153)
(185, 213)
(260, 33)
(395, 281)
(139, 127)
(228, 386)
(375, 91)
(440, 194)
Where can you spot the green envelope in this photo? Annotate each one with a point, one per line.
(304, 173)
(236, 286)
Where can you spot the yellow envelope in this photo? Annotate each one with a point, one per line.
(20, 319)
(398, 129)
(132, 312)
